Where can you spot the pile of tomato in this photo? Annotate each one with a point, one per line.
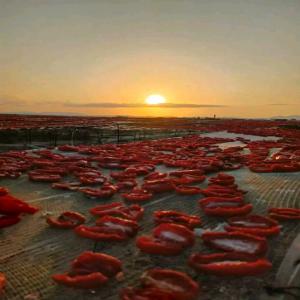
(12, 209)
(16, 122)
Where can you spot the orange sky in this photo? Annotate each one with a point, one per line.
(229, 58)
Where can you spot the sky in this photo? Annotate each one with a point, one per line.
(232, 58)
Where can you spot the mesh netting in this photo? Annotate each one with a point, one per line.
(31, 251)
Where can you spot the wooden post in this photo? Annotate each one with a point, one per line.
(29, 136)
(55, 137)
(99, 136)
(118, 133)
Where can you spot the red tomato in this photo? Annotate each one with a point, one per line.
(3, 191)
(130, 293)
(167, 239)
(90, 270)
(138, 195)
(68, 219)
(107, 191)
(225, 207)
(123, 175)
(229, 264)
(6, 221)
(72, 186)
(10, 205)
(99, 179)
(179, 284)
(187, 190)
(2, 282)
(118, 209)
(155, 175)
(180, 173)
(188, 179)
(163, 284)
(284, 214)
(109, 228)
(45, 177)
(172, 216)
(126, 185)
(236, 242)
(158, 185)
(253, 224)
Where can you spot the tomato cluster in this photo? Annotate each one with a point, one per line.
(134, 175)
(12, 209)
(90, 270)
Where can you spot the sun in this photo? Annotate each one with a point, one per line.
(155, 99)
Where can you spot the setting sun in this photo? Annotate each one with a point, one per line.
(155, 99)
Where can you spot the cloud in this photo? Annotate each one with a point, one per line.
(137, 105)
(5, 101)
(33, 113)
(191, 105)
(12, 101)
(297, 117)
(278, 104)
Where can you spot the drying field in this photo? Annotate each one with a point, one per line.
(32, 251)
